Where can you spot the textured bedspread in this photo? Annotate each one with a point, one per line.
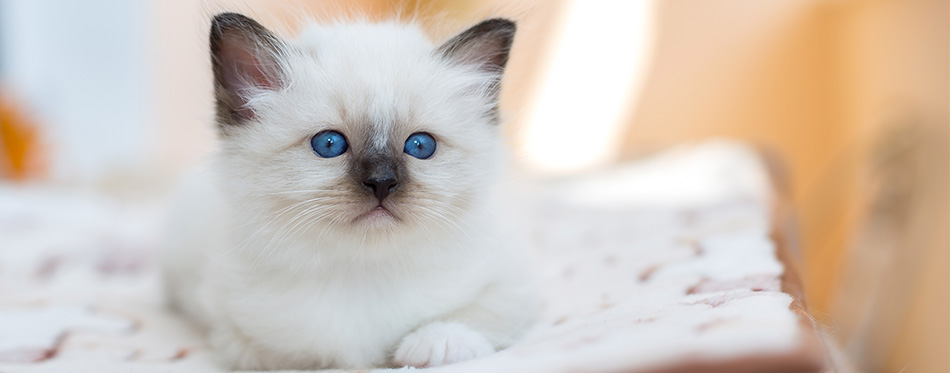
(663, 265)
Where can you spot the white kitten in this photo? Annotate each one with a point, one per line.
(349, 218)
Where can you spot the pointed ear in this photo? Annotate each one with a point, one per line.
(245, 59)
(485, 45)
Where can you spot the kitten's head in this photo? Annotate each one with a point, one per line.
(362, 129)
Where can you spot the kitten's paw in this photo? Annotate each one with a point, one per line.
(441, 343)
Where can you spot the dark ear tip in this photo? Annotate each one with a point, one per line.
(224, 22)
(500, 24)
(229, 18)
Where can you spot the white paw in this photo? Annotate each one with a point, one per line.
(441, 343)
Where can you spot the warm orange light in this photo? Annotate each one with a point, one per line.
(19, 144)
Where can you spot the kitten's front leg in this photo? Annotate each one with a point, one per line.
(440, 343)
(499, 316)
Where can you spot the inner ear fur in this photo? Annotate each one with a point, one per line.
(245, 59)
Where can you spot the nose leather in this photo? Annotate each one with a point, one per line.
(381, 186)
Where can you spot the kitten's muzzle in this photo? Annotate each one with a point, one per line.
(381, 186)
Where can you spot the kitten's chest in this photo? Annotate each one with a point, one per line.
(351, 318)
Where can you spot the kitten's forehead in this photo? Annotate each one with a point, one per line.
(373, 119)
(372, 73)
(362, 38)
(369, 53)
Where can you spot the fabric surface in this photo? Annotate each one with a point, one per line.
(644, 266)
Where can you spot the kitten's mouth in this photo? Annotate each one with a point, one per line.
(377, 213)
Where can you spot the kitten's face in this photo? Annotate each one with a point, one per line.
(315, 131)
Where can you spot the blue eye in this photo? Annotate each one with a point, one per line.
(420, 145)
(328, 144)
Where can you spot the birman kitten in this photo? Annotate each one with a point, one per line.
(349, 218)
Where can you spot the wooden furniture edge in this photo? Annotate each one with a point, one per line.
(784, 234)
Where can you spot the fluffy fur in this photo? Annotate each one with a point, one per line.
(283, 256)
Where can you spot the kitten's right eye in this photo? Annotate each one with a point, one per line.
(328, 144)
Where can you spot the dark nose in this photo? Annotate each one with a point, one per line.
(381, 187)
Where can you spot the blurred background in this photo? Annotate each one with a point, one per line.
(853, 96)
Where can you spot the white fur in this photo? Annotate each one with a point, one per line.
(266, 251)
(441, 343)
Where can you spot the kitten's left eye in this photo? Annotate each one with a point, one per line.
(328, 144)
(420, 145)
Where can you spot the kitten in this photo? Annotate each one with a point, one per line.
(349, 218)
